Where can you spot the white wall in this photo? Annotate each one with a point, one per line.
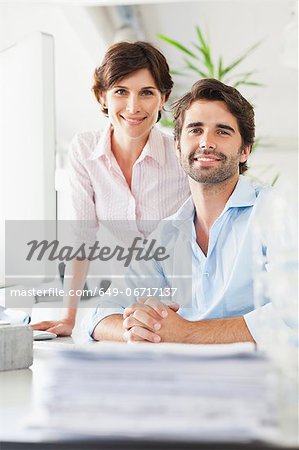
(234, 26)
(82, 35)
(76, 109)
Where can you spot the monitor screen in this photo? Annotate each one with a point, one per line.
(27, 134)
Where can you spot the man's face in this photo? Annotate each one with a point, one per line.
(210, 146)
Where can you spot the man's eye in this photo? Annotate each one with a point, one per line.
(223, 132)
(194, 131)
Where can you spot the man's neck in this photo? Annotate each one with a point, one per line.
(210, 200)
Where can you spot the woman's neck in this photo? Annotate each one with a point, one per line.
(126, 152)
(125, 149)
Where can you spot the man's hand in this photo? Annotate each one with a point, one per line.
(151, 320)
(174, 328)
(63, 327)
(142, 320)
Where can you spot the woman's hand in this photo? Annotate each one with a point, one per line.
(63, 327)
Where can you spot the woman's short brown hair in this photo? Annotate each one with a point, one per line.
(124, 58)
(212, 89)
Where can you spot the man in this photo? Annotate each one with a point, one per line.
(214, 134)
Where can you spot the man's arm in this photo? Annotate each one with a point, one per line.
(213, 331)
(109, 329)
(112, 328)
(139, 323)
(109, 322)
(175, 328)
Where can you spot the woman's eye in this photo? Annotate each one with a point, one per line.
(147, 92)
(120, 92)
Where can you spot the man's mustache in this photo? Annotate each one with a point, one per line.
(199, 153)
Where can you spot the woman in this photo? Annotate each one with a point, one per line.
(130, 172)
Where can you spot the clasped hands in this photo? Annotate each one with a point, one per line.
(151, 320)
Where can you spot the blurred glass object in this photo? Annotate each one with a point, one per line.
(289, 48)
(275, 247)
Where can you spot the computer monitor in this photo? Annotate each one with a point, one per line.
(27, 134)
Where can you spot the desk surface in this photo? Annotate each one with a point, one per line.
(20, 390)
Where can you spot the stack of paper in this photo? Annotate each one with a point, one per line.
(177, 392)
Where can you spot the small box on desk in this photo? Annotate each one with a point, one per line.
(16, 347)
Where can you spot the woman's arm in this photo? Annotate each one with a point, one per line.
(74, 280)
(82, 195)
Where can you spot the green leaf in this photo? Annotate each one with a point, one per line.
(254, 83)
(247, 83)
(256, 144)
(177, 45)
(240, 59)
(243, 75)
(275, 179)
(207, 59)
(202, 62)
(176, 72)
(243, 79)
(209, 63)
(195, 69)
(220, 68)
(205, 49)
(260, 142)
(167, 123)
(201, 38)
(197, 48)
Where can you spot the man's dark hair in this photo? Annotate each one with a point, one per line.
(211, 89)
(124, 58)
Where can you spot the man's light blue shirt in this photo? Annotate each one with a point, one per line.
(216, 285)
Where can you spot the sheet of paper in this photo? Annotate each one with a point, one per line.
(189, 392)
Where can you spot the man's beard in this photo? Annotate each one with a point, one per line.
(227, 166)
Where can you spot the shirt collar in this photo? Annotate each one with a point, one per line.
(243, 195)
(186, 211)
(183, 219)
(154, 148)
(103, 147)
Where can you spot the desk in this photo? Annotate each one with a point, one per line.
(19, 391)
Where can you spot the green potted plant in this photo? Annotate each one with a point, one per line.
(200, 61)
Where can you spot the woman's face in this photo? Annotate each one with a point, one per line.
(133, 104)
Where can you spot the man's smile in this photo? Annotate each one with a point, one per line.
(206, 159)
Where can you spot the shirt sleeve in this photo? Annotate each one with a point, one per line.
(142, 279)
(82, 192)
(266, 324)
(80, 183)
(275, 317)
(95, 315)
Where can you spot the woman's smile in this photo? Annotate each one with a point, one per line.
(133, 121)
